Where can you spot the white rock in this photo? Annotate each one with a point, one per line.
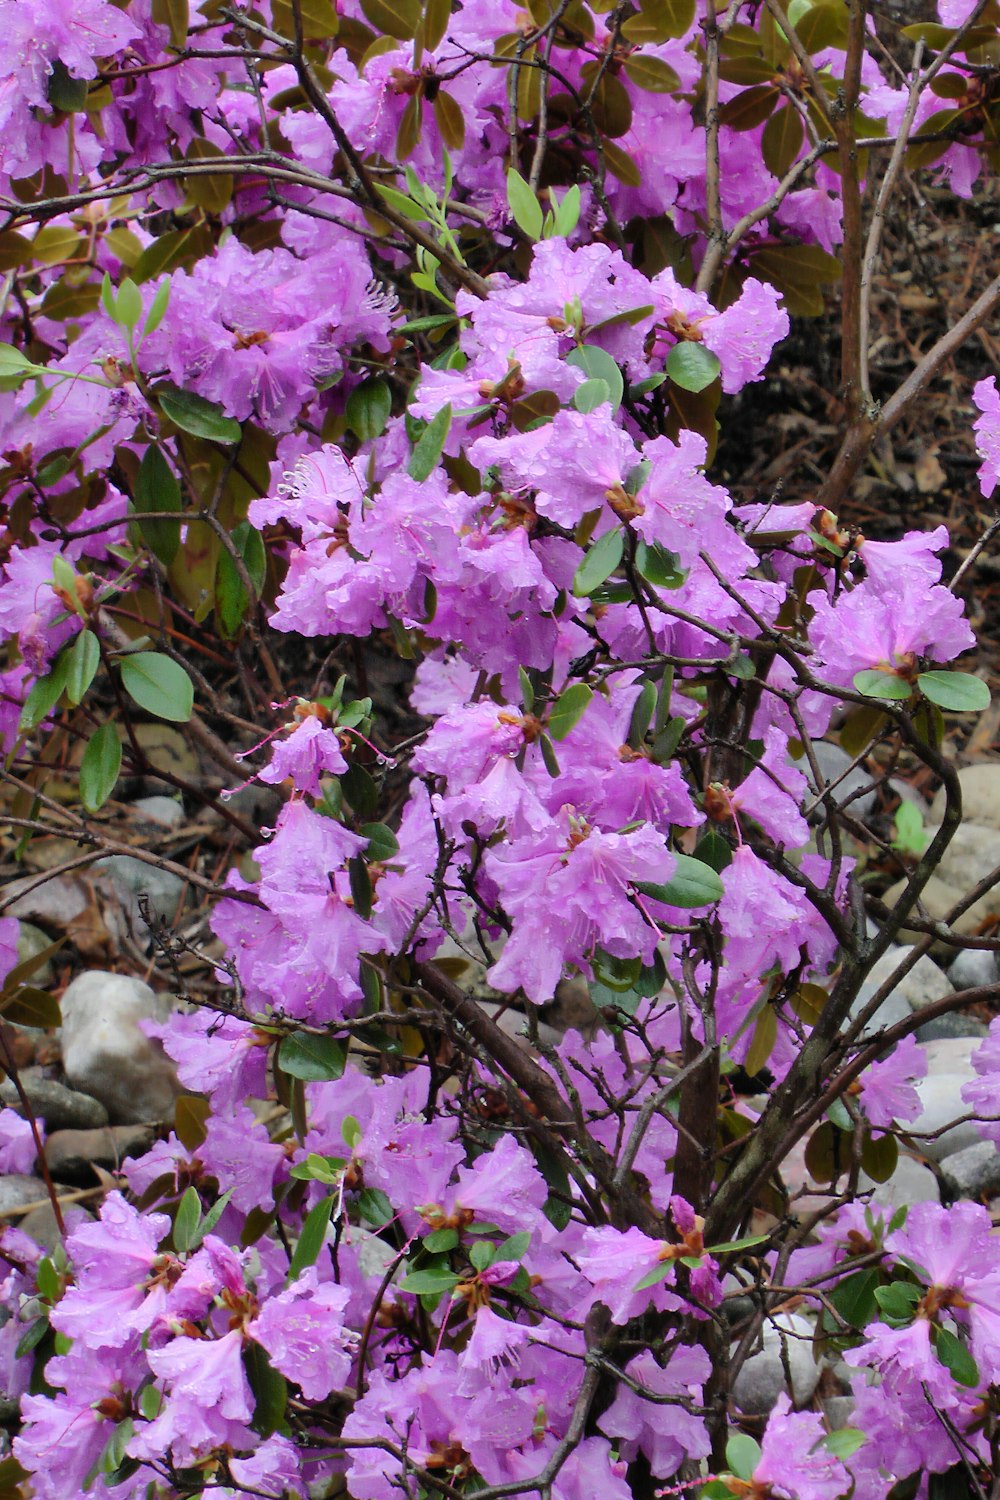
(973, 967)
(973, 852)
(911, 1183)
(167, 812)
(762, 1378)
(106, 1055)
(980, 795)
(135, 878)
(941, 1097)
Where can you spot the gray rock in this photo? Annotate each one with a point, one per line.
(134, 878)
(164, 812)
(105, 1053)
(924, 983)
(16, 1190)
(972, 1172)
(61, 1108)
(973, 967)
(953, 1023)
(939, 897)
(911, 1183)
(895, 1007)
(41, 1224)
(952, 1055)
(832, 762)
(973, 852)
(838, 1411)
(762, 1378)
(73, 1154)
(31, 940)
(980, 795)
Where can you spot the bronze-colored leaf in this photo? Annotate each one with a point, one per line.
(398, 18)
(609, 102)
(621, 165)
(319, 19)
(749, 108)
(175, 16)
(782, 139)
(408, 136)
(652, 74)
(211, 191)
(450, 120)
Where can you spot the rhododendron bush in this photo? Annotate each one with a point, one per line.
(401, 332)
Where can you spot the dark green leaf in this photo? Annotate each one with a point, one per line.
(231, 598)
(187, 1221)
(440, 1241)
(374, 1207)
(692, 366)
(958, 692)
(100, 767)
(854, 1297)
(44, 696)
(83, 659)
(569, 709)
(879, 1155)
(692, 884)
(159, 685)
(368, 408)
(269, 1387)
(310, 1242)
(955, 1356)
(382, 842)
(597, 364)
(156, 489)
(600, 562)
(314, 1059)
(427, 451)
(898, 1301)
(194, 414)
(885, 685)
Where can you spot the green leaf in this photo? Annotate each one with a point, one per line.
(765, 1035)
(32, 1337)
(231, 598)
(875, 684)
(84, 657)
(314, 1059)
(692, 884)
(44, 696)
(361, 886)
(187, 1221)
(854, 1297)
(375, 1208)
(898, 1301)
(959, 692)
(482, 1255)
(742, 1455)
(100, 767)
(911, 835)
(514, 1246)
(597, 364)
(660, 1272)
(197, 416)
(590, 395)
(599, 563)
(651, 73)
(642, 714)
(157, 309)
(747, 1243)
(692, 366)
(430, 1281)
(382, 842)
(955, 1357)
(524, 206)
(440, 1241)
(65, 92)
(659, 566)
(367, 410)
(159, 685)
(569, 709)
(128, 305)
(427, 449)
(269, 1387)
(157, 489)
(844, 1442)
(311, 1240)
(567, 215)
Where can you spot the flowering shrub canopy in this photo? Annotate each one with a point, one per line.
(411, 327)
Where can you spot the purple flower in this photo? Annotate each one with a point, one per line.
(310, 750)
(303, 1333)
(664, 1431)
(794, 1460)
(887, 1090)
(987, 430)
